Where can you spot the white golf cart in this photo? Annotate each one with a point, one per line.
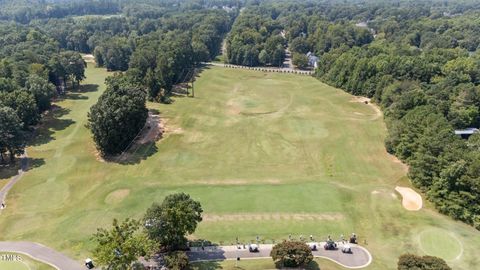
(347, 249)
(253, 248)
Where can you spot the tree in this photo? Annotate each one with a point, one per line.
(299, 45)
(291, 254)
(119, 247)
(300, 60)
(413, 262)
(12, 139)
(24, 105)
(176, 260)
(118, 116)
(42, 90)
(263, 57)
(169, 222)
(74, 66)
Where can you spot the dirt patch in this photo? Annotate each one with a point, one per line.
(117, 196)
(153, 129)
(396, 160)
(411, 200)
(233, 108)
(169, 129)
(271, 217)
(89, 58)
(367, 101)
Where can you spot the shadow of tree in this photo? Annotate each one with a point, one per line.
(313, 265)
(34, 163)
(86, 88)
(8, 170)
(50, 123)
(77, 93)
(135, 155)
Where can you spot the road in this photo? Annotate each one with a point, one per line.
(359, 258)
(43, 254)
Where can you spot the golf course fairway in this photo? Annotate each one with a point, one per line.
(266, 154)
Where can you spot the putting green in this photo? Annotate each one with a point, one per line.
(440, 243)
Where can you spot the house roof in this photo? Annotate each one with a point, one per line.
(467, 131)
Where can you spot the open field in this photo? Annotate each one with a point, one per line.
(266, 154)
(21, 262)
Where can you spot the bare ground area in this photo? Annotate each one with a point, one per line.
(367, 101)
(89, 58)
(411, 200)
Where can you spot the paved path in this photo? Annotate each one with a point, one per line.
(43, 254)
(359, 258)
(23, 168)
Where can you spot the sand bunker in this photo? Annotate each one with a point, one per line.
(411, 200)
(271, 217)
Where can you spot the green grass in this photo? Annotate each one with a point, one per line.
(260, 264)
(266, 154)
(22, 262)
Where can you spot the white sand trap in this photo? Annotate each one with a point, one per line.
(411, 201)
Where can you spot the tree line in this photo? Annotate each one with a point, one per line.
(33, 70)
(427, 87)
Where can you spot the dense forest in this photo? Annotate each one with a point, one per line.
(418, 60)
(158, 43)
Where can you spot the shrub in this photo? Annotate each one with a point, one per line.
(291, 254)
(413, 262)
(176, 260)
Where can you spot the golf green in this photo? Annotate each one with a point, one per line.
(266, 154)
(440, 243)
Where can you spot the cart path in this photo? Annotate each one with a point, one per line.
(23, 168)
(43, 254)
(359, 258)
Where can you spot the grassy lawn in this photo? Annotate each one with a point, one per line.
(317, 264)
(266, 154)
(21, 262)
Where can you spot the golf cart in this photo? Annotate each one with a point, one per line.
(253, 248)
(330, 245)
(89, 263)
(347, 249)
(313, 246)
